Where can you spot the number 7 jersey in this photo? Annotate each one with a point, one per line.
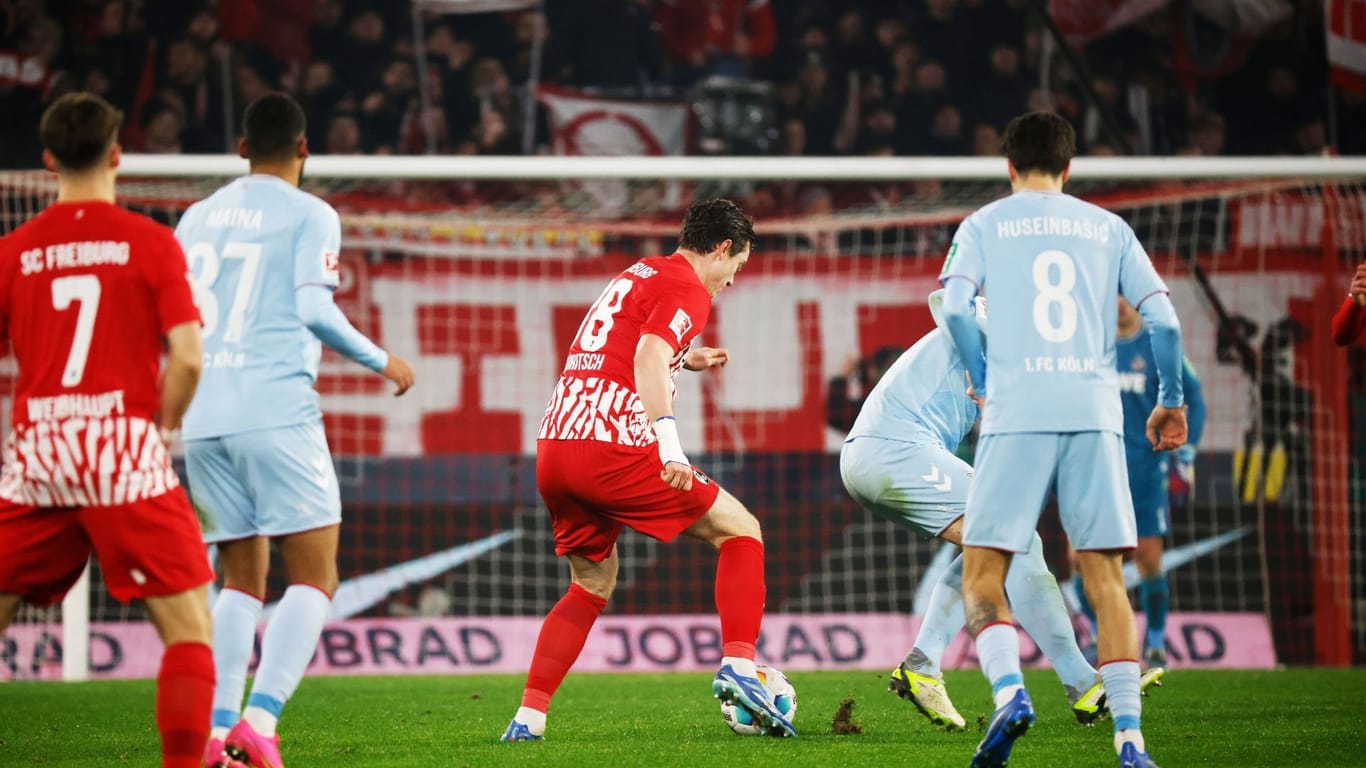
(251, 245)
(87, 290)
(1051, 267)
(595, 398)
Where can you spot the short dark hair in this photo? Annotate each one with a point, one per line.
(1040, 141)
(273, 125)
(709, 222)
(78, 129)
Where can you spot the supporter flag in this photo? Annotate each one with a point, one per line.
(1345, 25)
(1083, 20)
(588, 125)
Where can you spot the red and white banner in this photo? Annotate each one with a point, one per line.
(488, 338)
(791, 642)
(588, 125)
(1345, 25)
(1084, 20)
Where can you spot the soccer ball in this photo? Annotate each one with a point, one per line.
(784, 697)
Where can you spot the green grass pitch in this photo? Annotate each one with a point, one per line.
(1302, 717)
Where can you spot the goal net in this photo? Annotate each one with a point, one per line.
(479, 271)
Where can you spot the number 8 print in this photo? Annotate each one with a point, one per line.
(1059, 293)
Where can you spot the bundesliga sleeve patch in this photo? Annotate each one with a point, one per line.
(331, 262)
(681, 324)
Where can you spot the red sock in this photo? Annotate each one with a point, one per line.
(184, 699)
(740, 595)
(557, 647)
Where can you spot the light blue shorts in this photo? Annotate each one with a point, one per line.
(267, 482)
(920, 487)
(1016, 471)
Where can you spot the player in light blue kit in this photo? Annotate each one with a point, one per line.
(263, 258)
(1149, 471)
(898, 462)
(1052, 266)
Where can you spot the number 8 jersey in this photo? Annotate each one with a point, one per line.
(87, 290)
(251, 245)
(1051, 267)
(596, 398)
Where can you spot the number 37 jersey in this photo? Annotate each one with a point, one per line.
(595, 398)
(1051, 267)
(251, 245)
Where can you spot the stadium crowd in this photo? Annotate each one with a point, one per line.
(868, 77)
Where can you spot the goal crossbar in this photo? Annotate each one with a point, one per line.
(751, 168)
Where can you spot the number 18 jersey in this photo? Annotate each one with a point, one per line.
(251, 245)
(1051, 267)
(595, 398)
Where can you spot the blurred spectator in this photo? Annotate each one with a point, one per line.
(343, 135)
(327, 36)
(942, 34)
(161, 130)
(715, 37)
(946, 132)
(607, 43)
(319, 95)
(364, 51)
(384, 109)
(1000, 93)
(1207, 134)
(986, 140)
(188, 81)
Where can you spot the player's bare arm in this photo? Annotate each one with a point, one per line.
(400, 372)
(184, 363)
(702, 358)
(656, 394)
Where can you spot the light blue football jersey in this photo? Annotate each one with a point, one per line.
(250, 246)
(1050, 266)
(922, 398)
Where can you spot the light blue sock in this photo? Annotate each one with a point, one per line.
(943, 619)
(234, 628)
(998, 649)
(1123, 697)
(286, 648)
(1038, 605)
(1156, 598)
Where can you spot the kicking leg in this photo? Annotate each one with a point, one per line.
(740, 592)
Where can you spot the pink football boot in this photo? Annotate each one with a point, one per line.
(251, 749)
(214, 756)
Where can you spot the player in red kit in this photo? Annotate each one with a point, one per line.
(1350, 319)
(88, 292)
(608, 455)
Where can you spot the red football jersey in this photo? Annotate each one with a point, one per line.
(87, 291)
(596, 398)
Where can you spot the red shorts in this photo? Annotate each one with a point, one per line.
(593, 488)
(150, 548)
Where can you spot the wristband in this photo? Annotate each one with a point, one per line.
(670, 450)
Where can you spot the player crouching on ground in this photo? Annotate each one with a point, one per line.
(608, 455)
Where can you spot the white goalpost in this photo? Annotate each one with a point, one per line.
(475, 268)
